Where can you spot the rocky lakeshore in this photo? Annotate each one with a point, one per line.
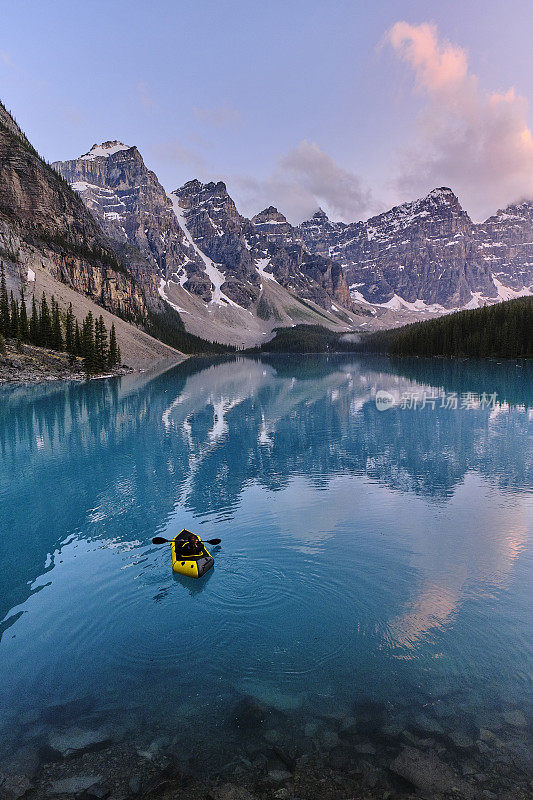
(373, 751)
(30, 364)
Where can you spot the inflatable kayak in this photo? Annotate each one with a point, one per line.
(193, 566)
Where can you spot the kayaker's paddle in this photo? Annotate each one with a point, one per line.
(160, 540)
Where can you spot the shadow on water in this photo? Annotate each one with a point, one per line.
(194, 586)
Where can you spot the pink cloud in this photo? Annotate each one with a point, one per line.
(477, 142)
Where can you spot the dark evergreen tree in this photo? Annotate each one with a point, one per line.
(2, 345)
(45, 324)
(14, 331)
(23, 319)
(78, 340)
(89, 354)
(113, 355)
(57, 334)
(100, 344)
(35, 328)
(69, 331)
(5, 318)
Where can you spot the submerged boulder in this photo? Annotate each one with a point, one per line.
(427, 773)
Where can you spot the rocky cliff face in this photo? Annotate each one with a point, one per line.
(244, 248)
(44, 223)
(134, 211)
(504, 243)
(429, 252)
(195, 237)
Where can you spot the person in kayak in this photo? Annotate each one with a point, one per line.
(191, 546)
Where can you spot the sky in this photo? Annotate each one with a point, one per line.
(351, 106)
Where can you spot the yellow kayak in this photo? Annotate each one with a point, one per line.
(193, 566)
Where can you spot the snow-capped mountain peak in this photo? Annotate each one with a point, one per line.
(105, 150)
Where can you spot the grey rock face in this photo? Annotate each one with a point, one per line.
(195, 237)
(505, 243)
(429, 250)
(135, 212)
(238, 245)
(43, 221)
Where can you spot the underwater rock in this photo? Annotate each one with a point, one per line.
(461, 740)
(516, 719)
(426, 724)
(365, 749)
(74, 784)
(13, 787)
(428, 773)
(249, 712)
(278, 775)
(328, 740)
(76, 741)
(230, 791)
(167, 779)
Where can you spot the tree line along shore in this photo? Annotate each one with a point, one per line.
(48, 327)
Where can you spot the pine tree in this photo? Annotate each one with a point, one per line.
(78, 340)
(89, 355)
(119, 357)
(45, 324)
(69, 331)
(112, 358)
(2, 345)
(35, 328)
(5, 319)
(100, 344)
(14, 331)
(23, 319)
(57, 335)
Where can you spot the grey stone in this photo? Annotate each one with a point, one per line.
(13, 786)
(230, 791)
(74, 784)
(311, 729)
(365, 749)
(427, 724)
(328, 739)
(461, 740)
(278, 775)
(428, 773)
(348, 725)
(77, 741)
(516, 718)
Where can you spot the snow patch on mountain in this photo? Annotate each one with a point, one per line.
(216, 277)
(104, 150)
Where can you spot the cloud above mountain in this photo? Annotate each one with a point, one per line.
(477, 142)
(304, 178)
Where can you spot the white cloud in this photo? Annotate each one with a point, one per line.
(476, 142)
(304, 178)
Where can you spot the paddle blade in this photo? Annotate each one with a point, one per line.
(213, 541)
(159, 540)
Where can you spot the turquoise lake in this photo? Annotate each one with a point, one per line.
(369, 560)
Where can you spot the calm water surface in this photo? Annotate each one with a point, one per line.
(366, 555)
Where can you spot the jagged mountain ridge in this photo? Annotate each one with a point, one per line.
(429, 253)
(43, 225)
(133, 209)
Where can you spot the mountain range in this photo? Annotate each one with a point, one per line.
(105, 226)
